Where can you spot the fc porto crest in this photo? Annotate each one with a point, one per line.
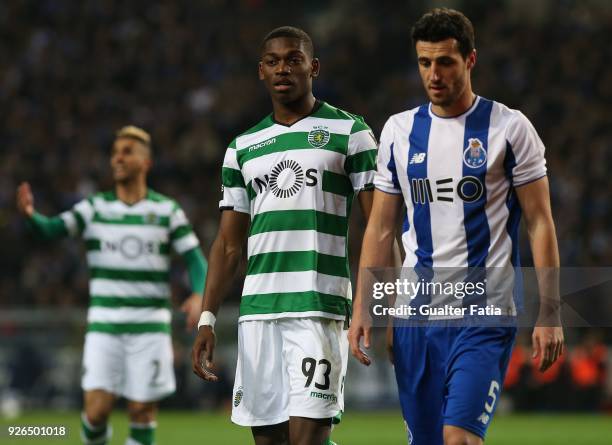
(474, 155)
(318, 136)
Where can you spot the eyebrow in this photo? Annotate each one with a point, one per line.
(293, 52)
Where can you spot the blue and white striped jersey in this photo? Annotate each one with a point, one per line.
(457, 177)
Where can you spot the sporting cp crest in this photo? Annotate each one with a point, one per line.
(474, 155)
(318, 136)
(238, 397)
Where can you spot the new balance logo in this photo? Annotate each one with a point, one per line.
(417, 158)
(483, 418)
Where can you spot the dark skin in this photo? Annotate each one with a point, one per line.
(287, 69)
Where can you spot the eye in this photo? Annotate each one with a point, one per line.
(270, 62)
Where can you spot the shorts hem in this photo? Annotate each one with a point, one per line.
(258, 422)
(311, 415)
(468, 428)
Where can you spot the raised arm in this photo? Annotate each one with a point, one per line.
(224, 256)
(46, 228)
(547, 338)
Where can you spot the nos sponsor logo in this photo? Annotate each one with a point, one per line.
(286, 179)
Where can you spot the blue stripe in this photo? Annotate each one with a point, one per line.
(512, 225)
(421, 217)
(391, 167)
(475, 221)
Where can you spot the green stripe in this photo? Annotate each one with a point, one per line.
(120, 302)
(164, 249)
(361, 162)
(230, 177)
(80, 220)
(128, 328)
(130, 275)
(336, 183)
(299, 220)
(251, 193)
(140, 220)
(293, 141)
(93, 244)
(298, 262)
(180, 232)
(359, 125)
(293, 302)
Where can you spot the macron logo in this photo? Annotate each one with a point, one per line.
(262, 144)
(418, 158)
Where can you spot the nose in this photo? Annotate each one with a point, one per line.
(435, 71)
(283, 67)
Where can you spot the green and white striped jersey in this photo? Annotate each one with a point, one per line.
(297, 183)
(128, 254)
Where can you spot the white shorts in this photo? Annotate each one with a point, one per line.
(138, 367)
(289, 367)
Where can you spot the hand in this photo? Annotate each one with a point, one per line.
(356, 331)
(192, 307)
(25, 199)
(390, 341)
(202, 354)
(547, 344)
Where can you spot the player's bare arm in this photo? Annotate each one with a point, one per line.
(547, 336)
(25, 199)
(224, 257)
(378, 250)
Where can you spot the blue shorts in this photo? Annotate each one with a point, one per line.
(449, 376)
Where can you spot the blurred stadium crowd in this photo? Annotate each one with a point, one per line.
(72, 73)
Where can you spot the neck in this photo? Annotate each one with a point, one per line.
(458, 107)
(290, 113)
(130, 192)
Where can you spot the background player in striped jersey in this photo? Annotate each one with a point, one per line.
(128, 233)
(482, 164)
(293, 177)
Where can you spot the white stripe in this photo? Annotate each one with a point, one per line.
(119, 231)
(247, 140)
(128, 315)
(185, 243)
(237, 198)
(360, 179)
(230, 161)
(117, 207)
(278, 282)
(116, 260)
(121, 288)
(361, 141)
(70, 222)
(297, 240)
(337, 126)
(291, 315)
(314, 199)
(445, 159)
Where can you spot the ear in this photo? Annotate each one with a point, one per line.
(471, 61)
(260, 71)
(316, 66)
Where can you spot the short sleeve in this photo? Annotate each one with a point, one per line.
(233, 187)
(525, 160)
(386, 173)
(78, 217)
(181, 233)
(360, 164)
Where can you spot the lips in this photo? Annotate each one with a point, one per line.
(283, 85)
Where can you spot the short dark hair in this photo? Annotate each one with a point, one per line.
(444, 23)
(291, 32)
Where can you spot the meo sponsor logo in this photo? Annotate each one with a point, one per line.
(468, 188)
